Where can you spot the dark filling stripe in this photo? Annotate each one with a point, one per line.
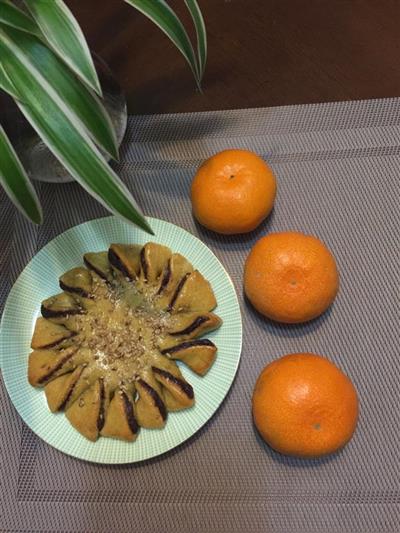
(188, 344)
(185, 387)
(53, 344)
(128, 410)
(192, 327)
(49, 313)
(143, 263)
(178, 290)
(156, 398)
(75, 290)
(97, 270)
(71, 389)
(100, 419)
(166, 278)
(117, 263)
(56, 368)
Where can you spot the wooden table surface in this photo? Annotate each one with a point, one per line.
(261, 52)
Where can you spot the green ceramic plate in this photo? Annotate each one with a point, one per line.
(39, 280)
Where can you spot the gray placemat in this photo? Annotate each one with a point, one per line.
(338, 171)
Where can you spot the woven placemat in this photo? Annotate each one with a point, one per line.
(338, 171)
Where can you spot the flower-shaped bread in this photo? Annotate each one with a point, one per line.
(105, 348)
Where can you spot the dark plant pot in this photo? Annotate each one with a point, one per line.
(38, 161)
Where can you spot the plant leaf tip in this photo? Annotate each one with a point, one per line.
(38, 220)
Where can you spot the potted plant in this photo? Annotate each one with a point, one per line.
(47, 69)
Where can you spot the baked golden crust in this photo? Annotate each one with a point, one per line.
(105, 348)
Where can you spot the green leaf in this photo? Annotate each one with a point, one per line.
(66, 138)
(201, 34)
(6, 84)
(12, 16)
(165, 18)
(79, 100)
(63, 33)
(16, 183)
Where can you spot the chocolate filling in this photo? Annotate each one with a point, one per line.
(117, 263)
(185, 387)
(56, 368)
(166, 278)
(130, 417)
(49, 313)
(178, 290)
(156, 398)
(68, 396)
(143, 263)
(76, 290)
(100, 419)
(188, 344)
(56, 343)
(97, 270)
(192, 327)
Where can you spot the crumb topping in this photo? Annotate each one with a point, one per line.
(120, 338)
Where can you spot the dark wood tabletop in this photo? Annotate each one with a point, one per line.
(261, 52)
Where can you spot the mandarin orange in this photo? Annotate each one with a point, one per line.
(233, 192)
(304, 405)
(290, 277)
